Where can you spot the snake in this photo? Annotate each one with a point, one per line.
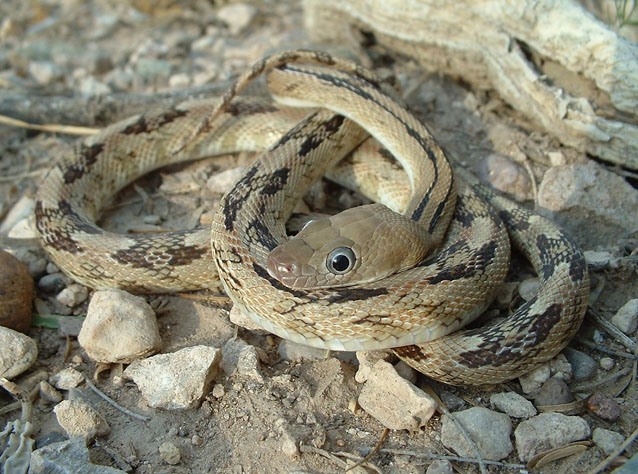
(406, 273)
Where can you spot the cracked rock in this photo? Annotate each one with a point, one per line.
(177, 380)
(394, 401)
(78, 418)
(477, 422)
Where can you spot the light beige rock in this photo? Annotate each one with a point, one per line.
(626, 318)
(67, 379)
(241, 358)
(78, 418)
(367, 359)
(178, 380)
(170, 453)
(119, 327)
(393, 401)
(18, 352)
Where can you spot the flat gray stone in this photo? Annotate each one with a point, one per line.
(513, 404)
(66, 457)
(548, 431)
(478, 422)
(607, 440)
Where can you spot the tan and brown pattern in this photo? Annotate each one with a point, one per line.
(436, 297)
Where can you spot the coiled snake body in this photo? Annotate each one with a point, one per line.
(365, 279)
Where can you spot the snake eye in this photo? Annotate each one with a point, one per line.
(340, 260)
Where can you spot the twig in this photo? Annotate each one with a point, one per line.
(416, 454)
(354, 457)
(54, 128)
(612, 330)
(605, 462)
(322, 452)
(604, 350)
(374, 450)
(17, 177)
(598, 383)
(113, 403)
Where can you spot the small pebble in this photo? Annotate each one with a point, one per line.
(52, 283)
(554, 392)
(218, 391)
(529, 288)
(48, 393)
(583, 366)
(18, 352)
(626, 318)
(607, 440)
(604, 407)
(170, 453)
(67, 379)
(73, 295)
(607, 363)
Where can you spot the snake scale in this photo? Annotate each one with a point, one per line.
(406, 273)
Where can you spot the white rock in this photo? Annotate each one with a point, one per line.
(90, 86)
(238, 317)
(48, 393)
(78, 418)
(170, 453)
(367, 359)
(513, 404)
(478, 422)
(66, 379)
(607, 363)
(119, 327)
(607, 440)
(237, 16)
(626, 318)
(587, 192)
(24, 229)
(548, 431)
(532, 381)
(44, 72)
(224, 181)
(597, 260)
(18, 352)
(177, 380)
(506, 176)
(393, 401)
(240, 357)
(529, 288)
(290, 350)
(21, 210)
(73, 295)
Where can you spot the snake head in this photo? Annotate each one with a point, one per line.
(358, 245)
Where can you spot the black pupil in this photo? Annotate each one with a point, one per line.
(340, 263)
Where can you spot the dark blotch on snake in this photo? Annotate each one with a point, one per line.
(88, 155)
(477, 264)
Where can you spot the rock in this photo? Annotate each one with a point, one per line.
(506, 176)
(240, 357)
(237, 16)
(67, 379)
(608, 441)
(16, 293)
(66, 457)
(119, 327)
(393, 401)
(553, 392)
(587, 192)
(626, 318)
(48, 393)
(604, 407)
(238, 318)
(598, 260)
(405, 371)
(440, 466)
(78, 418)
(513, 404)
(583, 366)
(177, 380)
(289, 445)
(90, 86)
(451, 401)
(52, 283)
(607, 363)
(170, 453)
(531, 382)
(44, 72)
(367, 359)
(224, 181)
(548, 431)
(22, 209)
(70, 326)
(529, 288)
(290, 350)
(73, 295)
(477, 422)
(18, 352)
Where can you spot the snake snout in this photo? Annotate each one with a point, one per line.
(283, 266)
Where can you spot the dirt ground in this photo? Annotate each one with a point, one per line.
(74, 49)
